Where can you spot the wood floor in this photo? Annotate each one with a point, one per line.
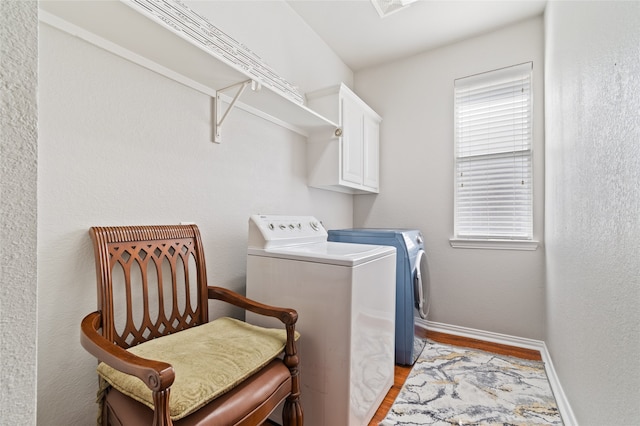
(401, 372)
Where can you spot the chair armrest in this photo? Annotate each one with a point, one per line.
(157, 375)
(288, 316)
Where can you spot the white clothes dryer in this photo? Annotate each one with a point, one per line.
(345, 298)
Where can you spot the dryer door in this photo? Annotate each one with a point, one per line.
(418, 285)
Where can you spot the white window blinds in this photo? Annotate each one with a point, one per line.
(493, 182)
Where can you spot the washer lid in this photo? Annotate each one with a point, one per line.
(344, 254)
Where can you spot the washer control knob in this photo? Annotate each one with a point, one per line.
(314, 225)
(271, 226)
(292, 226)
(283, 227)
(419, 239)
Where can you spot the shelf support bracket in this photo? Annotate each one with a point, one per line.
(219, 116)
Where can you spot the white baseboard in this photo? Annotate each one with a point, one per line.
(568, 418)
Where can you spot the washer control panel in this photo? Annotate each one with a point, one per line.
(279, 230)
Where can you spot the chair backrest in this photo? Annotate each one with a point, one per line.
(152, 281)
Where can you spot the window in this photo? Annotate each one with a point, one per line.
(493, 157)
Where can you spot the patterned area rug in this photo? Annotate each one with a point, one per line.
(449, 385)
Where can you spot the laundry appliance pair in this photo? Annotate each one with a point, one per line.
(411, 282)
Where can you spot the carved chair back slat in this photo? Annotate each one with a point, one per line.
(151, 281)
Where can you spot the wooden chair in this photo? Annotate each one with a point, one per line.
(152, 285)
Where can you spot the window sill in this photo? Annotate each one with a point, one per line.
(529, 245)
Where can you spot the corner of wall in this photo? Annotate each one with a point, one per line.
(18, 205)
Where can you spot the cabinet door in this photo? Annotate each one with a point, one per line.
(371, 154)
(352, 141)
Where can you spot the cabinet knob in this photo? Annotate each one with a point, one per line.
(338, 132)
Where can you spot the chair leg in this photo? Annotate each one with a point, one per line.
(292, 412)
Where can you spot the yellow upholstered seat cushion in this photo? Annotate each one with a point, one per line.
(208, 360)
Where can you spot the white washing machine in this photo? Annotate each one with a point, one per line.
(344, 294)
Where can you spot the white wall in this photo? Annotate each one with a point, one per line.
(18, 211)
(593, 205)
(121, 145)
(494, 290)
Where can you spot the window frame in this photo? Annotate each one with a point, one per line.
(495, 241)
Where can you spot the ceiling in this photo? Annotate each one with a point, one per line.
(355, 31)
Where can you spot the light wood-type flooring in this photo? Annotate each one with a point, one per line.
(401, 372)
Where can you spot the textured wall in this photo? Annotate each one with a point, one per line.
(493, 290)
(18, 173)
(593, 206)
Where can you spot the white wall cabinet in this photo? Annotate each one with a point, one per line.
(347, 161)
